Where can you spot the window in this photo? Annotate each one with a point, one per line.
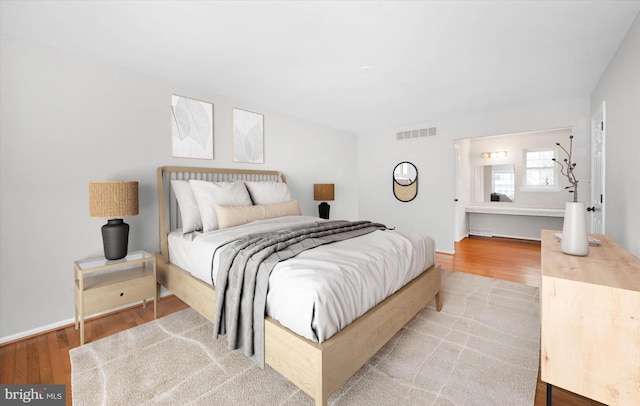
(540, 170)
(504, 180)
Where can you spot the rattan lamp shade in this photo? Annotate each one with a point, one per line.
(323, 192)
(113, 199)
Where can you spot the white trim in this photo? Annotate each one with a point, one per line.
(63, 323)
(36, 331)
(515, 237)
(446, 252)
(602, 109)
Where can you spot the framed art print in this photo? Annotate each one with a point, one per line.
(248, 137)
(191, 128)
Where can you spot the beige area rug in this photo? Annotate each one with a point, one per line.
(482, 349)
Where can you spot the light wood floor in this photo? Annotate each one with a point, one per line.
(44, 359)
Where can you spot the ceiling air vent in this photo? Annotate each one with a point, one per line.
(421, 132)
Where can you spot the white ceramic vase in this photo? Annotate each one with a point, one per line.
(575, 236)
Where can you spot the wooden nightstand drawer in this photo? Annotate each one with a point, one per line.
(118, 289)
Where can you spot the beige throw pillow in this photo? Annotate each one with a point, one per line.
(229, 216)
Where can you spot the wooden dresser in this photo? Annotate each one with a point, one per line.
(590, 321)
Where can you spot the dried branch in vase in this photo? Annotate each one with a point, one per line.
(567, 166)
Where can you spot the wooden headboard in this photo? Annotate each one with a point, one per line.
(168, 211)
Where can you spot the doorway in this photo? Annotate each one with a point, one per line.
(597, 206)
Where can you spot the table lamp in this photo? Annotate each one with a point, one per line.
(323, 192)
(114, 200)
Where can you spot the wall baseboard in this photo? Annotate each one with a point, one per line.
(64, 323)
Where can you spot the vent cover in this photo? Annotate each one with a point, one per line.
(481, 233)
(418, 133)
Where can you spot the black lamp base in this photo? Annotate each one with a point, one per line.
(323, 210)
(115, 239)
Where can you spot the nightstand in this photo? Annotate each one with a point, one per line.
(101, 284)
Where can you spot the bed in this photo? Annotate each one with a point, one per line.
(317, 368)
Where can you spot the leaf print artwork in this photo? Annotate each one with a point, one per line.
(192, 128)
(248, 136)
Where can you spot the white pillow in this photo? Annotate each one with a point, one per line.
(229, 216)
(208, 194)
(269, 192)
(189, 212)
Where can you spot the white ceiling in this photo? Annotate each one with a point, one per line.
(431, 60)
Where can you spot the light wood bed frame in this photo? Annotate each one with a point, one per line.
(317, 369)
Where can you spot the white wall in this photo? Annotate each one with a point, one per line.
(619, 86)
(514, 145)
(67, 120)
(517, 226)
(432, 212)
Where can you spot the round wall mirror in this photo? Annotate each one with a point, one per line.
(405, 181)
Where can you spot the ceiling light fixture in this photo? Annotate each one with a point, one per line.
(365, 69)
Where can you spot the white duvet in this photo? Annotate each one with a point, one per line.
(322, 290)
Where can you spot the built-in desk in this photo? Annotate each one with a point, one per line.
(504, 220)
(590, 321)
(505, 210)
